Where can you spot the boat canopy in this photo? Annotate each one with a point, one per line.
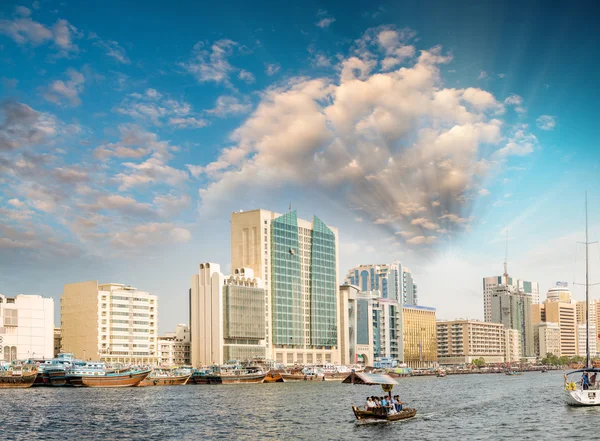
(369, 379)
(584, 370)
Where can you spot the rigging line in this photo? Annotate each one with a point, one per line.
(575, 264)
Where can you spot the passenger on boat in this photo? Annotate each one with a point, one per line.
(593, 380)
(369, 405)
(398, 403)
(585, 381)
(384, 405)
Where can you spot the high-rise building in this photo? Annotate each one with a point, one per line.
(356, 326)
(566, 316)
(26, 327)
(491, 283)
(227, 316)
(112, 322)
(298, 260)
(174, 347)
(514, 350)
(394, 281)
(512, 308)
(419, 337)
(546, 338)
(581, 342)
(462, 341)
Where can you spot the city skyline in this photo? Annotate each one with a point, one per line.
(124, 151)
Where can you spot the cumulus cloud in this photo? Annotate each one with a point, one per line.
(246, 76)
(546, 122)
(66, 92)
(482, 75)
(23, 126)
(229, 105)
(150, 234)
(325, 22)
(23, 30)
(272, 69)
(211, 63)
(397, 146)
(154, 107)
(151, 171)
(515, 101)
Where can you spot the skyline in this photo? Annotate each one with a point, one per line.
(123, 150)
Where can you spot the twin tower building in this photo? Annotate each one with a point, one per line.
(283, 301)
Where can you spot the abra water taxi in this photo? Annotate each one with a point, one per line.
(96, 374)
(387, 384)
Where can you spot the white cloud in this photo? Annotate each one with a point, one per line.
(546, 122)
(212, 63)
(246, 76)
(520, 143)
(482, 75)
(272, 69)
(484, 192)
(113, 50)
(422, 240)
(516, 101)
(149, 234)
(23, 30)
(229, 105)
(23, 126)
(61, 92)
(134, 143)
(325, 22)
(22, 11)
(151, 171)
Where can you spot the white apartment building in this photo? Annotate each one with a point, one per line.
(490, 284)
(174, 347)
(111, 322)
(462, 341)
(227, 316)
(581, 350)
(26, 327)
(513, 346)
(356, 326)
(298, 262)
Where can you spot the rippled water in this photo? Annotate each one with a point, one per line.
(469, 407)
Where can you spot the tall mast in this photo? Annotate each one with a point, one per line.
(506, 261)
(587, 288)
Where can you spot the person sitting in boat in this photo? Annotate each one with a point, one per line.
(397, 403)
(593, 380)
(370, 404)
(384, 405)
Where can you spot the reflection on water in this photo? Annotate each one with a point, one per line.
(456, 407)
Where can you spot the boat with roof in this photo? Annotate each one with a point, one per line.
(387, 383)
(228, 374)
(53, 372)
(580, 386)
(97, 374)
(167, 377)
(17, 375)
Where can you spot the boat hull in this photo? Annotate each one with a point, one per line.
(404, 414)
(17, 381)
(299, 377)
(57, 378)
(228, 379)
(582, 397)
(111, 380)
(42, 379)
(177, 380)
(273, 377)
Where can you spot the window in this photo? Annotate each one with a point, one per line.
(11, 317)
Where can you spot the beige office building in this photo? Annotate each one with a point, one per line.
(462, 341)
(546, 338)
(227, 316)
(419, 332)
(174, 347)
(565, 315)
(298, 261)
(513, 349)
(110, 322)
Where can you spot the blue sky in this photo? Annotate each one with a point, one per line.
(129, 133)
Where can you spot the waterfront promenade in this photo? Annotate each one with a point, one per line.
(456, 407)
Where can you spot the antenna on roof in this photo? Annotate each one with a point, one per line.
(506, 259)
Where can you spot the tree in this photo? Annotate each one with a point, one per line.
(479, 362)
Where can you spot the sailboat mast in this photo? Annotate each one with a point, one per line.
(587, 289)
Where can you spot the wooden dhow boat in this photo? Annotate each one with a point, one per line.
(273, 376)
(18, 375)
(228, 375)
(387, 383)
(96, 374)
(166, 377)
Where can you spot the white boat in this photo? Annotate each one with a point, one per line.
(580, 386)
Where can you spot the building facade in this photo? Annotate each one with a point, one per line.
(419, 337)
(110, 322)
(491, 283)
(26, 327)
(227, 316)
(546, 337)
(581, 341)
(512, 308)
(462, 341)
(298, 260)
(565, 314)
(514, 350)
(394, 281)
(356, 327)
(174, 347)
(57, 341)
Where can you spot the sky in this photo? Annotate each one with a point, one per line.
(435, 134)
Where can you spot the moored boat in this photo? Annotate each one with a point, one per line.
(96, 374)
(17, 375)
(228, 374)
(273, 376)
(166, 377)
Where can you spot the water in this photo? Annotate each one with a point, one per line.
(473, 407)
